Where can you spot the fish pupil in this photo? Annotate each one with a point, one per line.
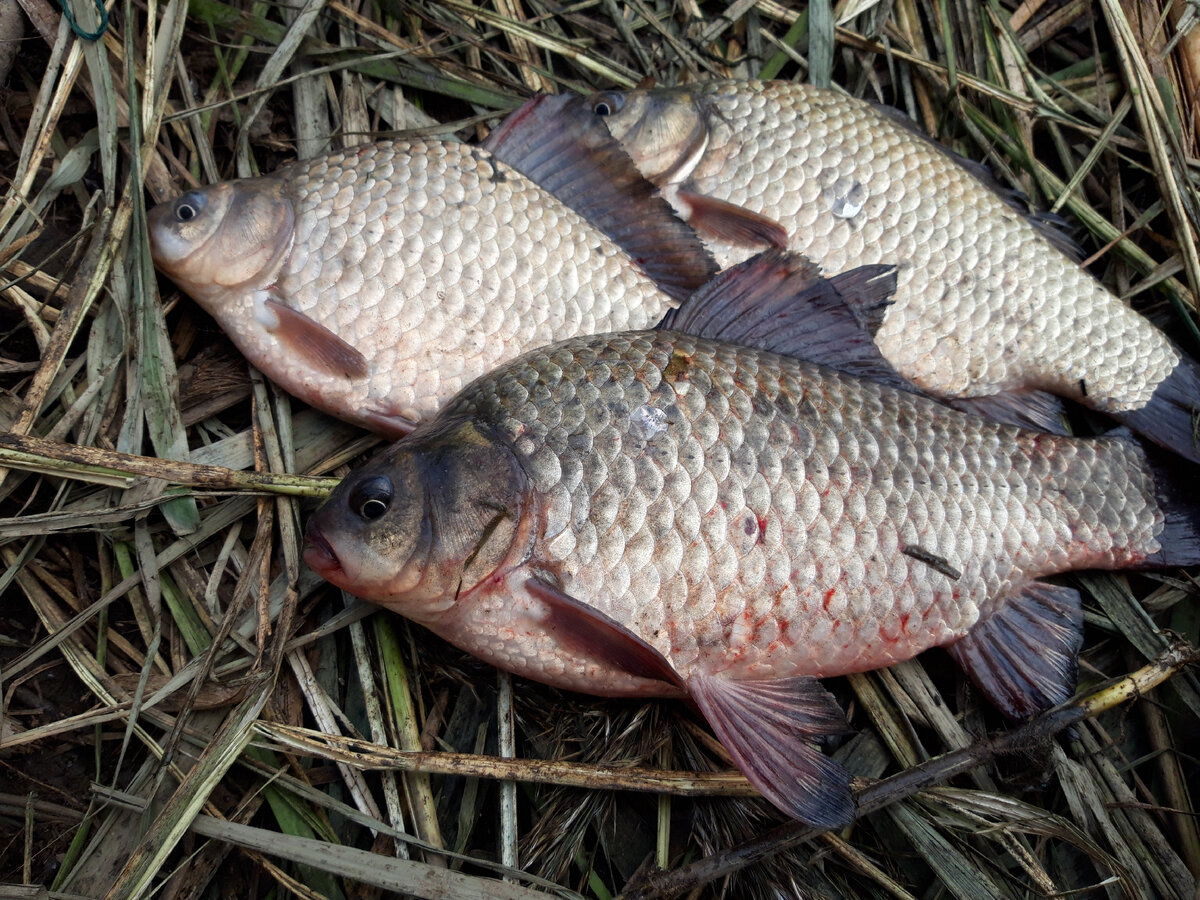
(607, 104)
(189, 206)
(373, 497)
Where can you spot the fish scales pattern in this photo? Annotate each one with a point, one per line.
(445, 217)
(748, 513)
(436, 262)
(982, 303)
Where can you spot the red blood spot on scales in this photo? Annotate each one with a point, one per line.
(904, 622)
(828, 596)
(762, 529)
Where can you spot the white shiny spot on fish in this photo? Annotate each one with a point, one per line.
(647, 422)
(845, 197)
(263, 314)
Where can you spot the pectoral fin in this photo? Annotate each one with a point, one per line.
(392, 426)
(731, 223)
(590, 634)
(768, 727)
(313, 342)
(1025, 656)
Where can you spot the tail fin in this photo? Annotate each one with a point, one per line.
(1179, 501)
(1172, 416)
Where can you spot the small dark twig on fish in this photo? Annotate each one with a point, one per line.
(932, 560)
(874, 796)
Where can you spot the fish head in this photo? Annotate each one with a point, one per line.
(226, 237)
(665, 132)
(426, 522)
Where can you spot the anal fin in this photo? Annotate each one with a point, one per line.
(768, 728)
(1025, 656)
(315, 343)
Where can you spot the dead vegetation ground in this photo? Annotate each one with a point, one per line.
(187, 711)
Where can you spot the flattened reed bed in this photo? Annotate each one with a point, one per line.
(187, 710)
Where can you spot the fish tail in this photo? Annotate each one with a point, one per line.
(1179, 502)
(1171, 418)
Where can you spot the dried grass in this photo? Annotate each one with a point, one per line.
(187, 710)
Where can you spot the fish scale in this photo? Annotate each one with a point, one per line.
(838, 495)
(474, 322)
(376, 282)
(984, 303)
(984, 278)
(662, 513)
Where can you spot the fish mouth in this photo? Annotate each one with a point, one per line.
(319, 555)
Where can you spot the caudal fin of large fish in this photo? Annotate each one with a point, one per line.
(1172, 416)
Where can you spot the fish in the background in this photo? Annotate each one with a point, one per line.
(656, 513)
(988, 304)
(375, 282)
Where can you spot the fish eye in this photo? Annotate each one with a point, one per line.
(189, 206)
(607, 104)
(371, 498)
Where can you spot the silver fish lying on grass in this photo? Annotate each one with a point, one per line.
(987, 301)
(375, 282)
(654, 513)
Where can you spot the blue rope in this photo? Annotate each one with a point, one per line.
(87, 35)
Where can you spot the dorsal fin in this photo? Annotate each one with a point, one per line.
(552, 141)
(779, 301)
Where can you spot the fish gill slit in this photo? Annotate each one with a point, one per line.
(485, 533)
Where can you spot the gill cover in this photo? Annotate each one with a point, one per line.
(665, 133)
(234, 234)
(425, 521)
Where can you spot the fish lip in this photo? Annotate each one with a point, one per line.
(319, 554)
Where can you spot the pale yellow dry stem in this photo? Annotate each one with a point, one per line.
(356, 753)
